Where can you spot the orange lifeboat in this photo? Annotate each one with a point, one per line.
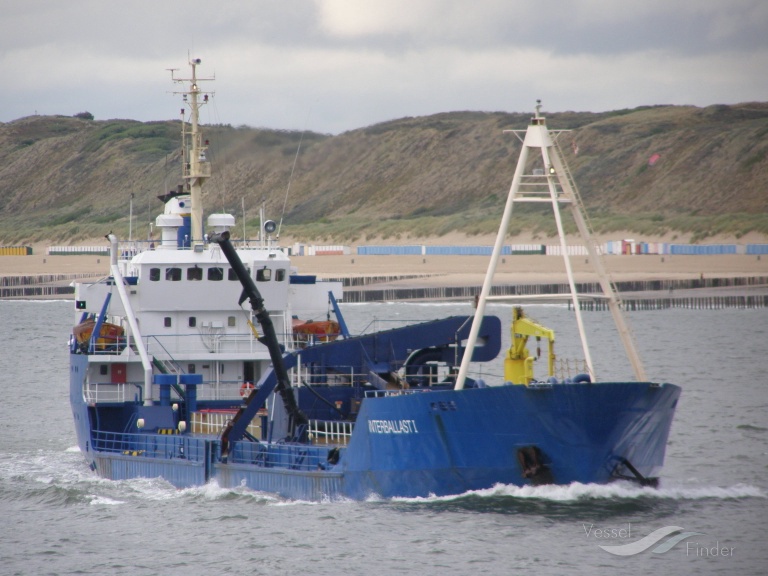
(110, 335)
(320, 331)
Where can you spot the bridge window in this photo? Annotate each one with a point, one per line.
(231, 321)
(167, 321)
(263, 274)
(232, 275)
(154, 274)
(192, 321)
(216, 273)
(173, 274)
(280, 274)
(195, 273)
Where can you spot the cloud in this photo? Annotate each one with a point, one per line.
(591, 26)
(345, 64)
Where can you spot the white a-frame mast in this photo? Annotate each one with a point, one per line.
(556, 186)
(196, 167)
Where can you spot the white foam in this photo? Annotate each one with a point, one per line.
(103, 501)
(213, 491)
(46, 467)
(67, 468)
(617, 490)
(156, 489)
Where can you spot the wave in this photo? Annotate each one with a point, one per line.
(104, 501)
(578, 492)
(751, 428)
(213, 492)
(63, 478)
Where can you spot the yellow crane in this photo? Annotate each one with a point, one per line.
(518, 365)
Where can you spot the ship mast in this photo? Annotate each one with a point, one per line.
(196, 167)
(553, 185)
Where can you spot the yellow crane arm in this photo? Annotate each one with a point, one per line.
(518, 364)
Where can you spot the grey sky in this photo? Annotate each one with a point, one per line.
(336, 65)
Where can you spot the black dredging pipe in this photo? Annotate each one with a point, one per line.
(269, 338)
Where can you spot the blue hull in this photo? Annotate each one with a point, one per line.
(469, 440)
(451, 442)
(432, 442)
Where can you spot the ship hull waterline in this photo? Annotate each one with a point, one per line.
(438, 443)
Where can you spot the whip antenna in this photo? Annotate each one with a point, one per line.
(290, 178)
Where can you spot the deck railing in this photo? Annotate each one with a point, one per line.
(336, 375)
(394, 392)
(184, 447)
(206, 343)
(330, 431)
(213, 422)
(94, 393)
(566, 368)
(108, 392)
(164, 345)
(289, 456)
(150, 445)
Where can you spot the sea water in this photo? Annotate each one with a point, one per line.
(708, 516)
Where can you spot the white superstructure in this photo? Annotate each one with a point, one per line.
(176, 300)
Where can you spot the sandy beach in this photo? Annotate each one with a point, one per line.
(449, 270)
(427, 271)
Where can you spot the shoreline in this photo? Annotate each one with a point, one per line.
(398, 273)
(459, 270)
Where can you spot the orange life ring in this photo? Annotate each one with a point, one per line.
(245, 389)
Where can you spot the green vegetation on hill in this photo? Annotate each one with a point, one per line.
(64, 180)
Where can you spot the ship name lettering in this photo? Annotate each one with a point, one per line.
(392, 427)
